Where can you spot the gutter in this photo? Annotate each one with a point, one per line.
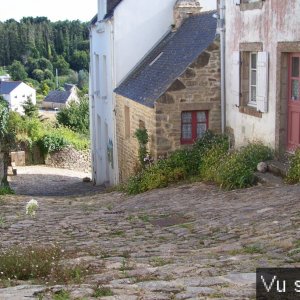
(223, 79)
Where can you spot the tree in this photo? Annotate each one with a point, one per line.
(6, 138)
(83, 79)
(61, 65)
(38, 75)
(80, 60)
(76, 116)
(17, 71)
(30, 109)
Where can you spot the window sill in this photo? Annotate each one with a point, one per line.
(251, 6)
(251, 111)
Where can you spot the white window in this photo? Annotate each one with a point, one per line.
(253, 78)
(97, 75)
(104, 78)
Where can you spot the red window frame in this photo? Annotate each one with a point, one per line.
(194, 124)
(291, 77)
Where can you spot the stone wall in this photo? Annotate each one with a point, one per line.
(71, 159)
(139, 116)
(1, 167)
(198, 88)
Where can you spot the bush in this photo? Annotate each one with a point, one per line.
(180, 165)
(209, 159)
(51, 143)
(236, 170)
(293, 174)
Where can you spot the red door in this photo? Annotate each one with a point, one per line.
(294, 102)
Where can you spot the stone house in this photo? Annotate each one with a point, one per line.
(263, 72)
(122, 35)
(59, 99)
(174, 92)
(16, 93)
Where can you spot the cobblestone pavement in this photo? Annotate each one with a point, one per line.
(184, 242)
(46, 181)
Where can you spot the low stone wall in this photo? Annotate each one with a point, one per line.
(1, 167)
(71, 159)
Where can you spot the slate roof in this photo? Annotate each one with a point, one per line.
(58, 96)
(111, 6)
(169, 59)
(6, 87)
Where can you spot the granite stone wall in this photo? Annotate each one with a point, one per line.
(130, 116)
(70, 158)
(198, 88)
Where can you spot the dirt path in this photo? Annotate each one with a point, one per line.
(45, 181)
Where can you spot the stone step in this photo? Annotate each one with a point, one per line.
(269, 179)
(278, 168)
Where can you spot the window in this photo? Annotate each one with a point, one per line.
(97, 79)
(193, 125)
(252, 78)
(294, 78)
(104, 78)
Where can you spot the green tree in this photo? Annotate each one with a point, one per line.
(83, 79)
(30, 109)
(6, 137)
(75, 116)
(80, 61)
(17, 71)
(38, 75)
(61, 65)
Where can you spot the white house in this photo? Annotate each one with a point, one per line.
(60, 99)
(121, 35)
(16, 93)
(263, 72)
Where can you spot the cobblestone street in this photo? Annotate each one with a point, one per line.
(186, 242)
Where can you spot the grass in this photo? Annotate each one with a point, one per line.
(250, 249)
(62, 295)
(40, 264)
(118, 233)
(2, 222)
(102, 291)
(159, 261)
(144, 218)
(6, 190)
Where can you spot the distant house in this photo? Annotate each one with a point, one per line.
(5, 77)
(61, 99)
(16, 93)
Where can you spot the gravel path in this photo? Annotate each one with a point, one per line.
(185, 242)
(45, 181)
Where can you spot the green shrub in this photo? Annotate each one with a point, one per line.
(293, 174)
(236, 170)
(142, 136)
(52, 142)
(180, 165)
(211, 161)
(6, 190)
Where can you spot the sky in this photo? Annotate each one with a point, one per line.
(55, 10)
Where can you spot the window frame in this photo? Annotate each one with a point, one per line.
(251, 85)
(194, 122)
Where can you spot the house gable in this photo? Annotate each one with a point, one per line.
(169, 59)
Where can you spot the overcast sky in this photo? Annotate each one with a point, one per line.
(83, 10)
(55, 10)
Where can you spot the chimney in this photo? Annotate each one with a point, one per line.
(183, 9)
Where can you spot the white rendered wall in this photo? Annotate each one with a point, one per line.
(102, 106)
(138, 26)
(19, 95)
(277, 21)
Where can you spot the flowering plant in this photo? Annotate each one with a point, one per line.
(31, 207)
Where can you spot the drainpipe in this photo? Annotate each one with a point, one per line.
(222, 42)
